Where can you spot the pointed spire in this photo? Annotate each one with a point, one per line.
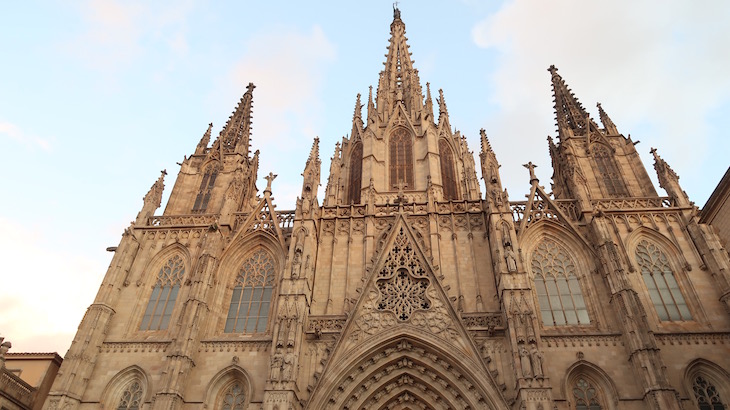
(152, 200)
(606, 121)
(442, 103)
(203, 144)
(429, 102)
(399, 80)
(154, 195)
(669, 180)
(314, 152)
(486, 146)
(572, 118)
(357, 124)
(236, 134)
(371, 107)
(311, 173)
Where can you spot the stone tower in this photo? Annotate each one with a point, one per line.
(405, 287)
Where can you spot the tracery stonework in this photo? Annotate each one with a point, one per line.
(408, 284)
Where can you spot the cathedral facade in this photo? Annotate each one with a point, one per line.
(410, 285)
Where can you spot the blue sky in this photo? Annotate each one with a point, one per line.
(96, 97)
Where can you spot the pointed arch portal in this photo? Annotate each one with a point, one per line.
(406, 371)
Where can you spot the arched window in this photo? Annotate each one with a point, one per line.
(448, 177)
(608, 171)
(131, 397)
(234, 397)
(661, 283)
(706, 394)
(251, 300)
(206, 187)
(162, 300)
(353, 188)
(558, 292)
(401, 159)
(585, 395)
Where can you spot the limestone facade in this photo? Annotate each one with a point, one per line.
(406, 286)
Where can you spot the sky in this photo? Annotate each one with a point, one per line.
(98, 96)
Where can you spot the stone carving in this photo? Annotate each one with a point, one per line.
(277, 360)
(287, 368)
(525, 363)
(510, 258)
(536, 358)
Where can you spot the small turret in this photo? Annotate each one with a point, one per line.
(606, 121)
(669, 180)
(152, 200)
(203, 144)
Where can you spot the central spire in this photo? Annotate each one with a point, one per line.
(399, 81)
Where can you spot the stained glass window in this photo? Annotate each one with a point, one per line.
(131, 397)
(162, 300)
(447, 170)
(585, 395)
(401, 159)
(558, 291)
(353, 190)
(706, 394)
(660, 281)
(206, 187)
(608, 171)
(251, 300)
(234, 397)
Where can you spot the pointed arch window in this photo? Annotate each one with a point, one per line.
(448, 176)
(659, 278)
(355, 182)
(131, 397)
(585, 395)
(205, 190)
(234, 397)
(401, 159)
(558, 291)
(608, 171)
(707, 395)
(251, 300)
(162, 300)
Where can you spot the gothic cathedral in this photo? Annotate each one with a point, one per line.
(406, 286)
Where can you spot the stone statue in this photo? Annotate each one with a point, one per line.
(276, 363)
(287, 369)
(525, 364)
(537, 358)
(509, 256)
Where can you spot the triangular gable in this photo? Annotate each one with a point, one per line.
(262, 219)
(401, 296)
(541, 207)
(400, 117)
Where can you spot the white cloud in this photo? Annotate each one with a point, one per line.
(43, 294)
(288, 68)
(661, 68)
(15, 133)
(116, 33)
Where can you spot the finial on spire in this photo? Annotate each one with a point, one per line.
(204, 140)
(269, 179)
(486, 146)
(358, 108)
(531, 167)
(572, 119)
(314, 152)
(396, 11)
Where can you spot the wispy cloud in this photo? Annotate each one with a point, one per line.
(16, 134)
(117, 33)
(660, 69)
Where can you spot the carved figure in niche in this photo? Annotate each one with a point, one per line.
(537, 359)
(520, 328)
(525, 364)
(276, 362)
(510, 258)
(287, 369)
(496, 196)
(530, 329)
(292, 334)
(296, 265)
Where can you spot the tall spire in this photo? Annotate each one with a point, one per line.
(669, 180)
(429, 101)
(443, 111)
(357, 124)
(606, 121)
(399, 80)
(236, 134)
(572, 118)
(203, 144)
(152, 200)
(311, 173)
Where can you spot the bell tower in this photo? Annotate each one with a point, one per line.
(401, 150)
